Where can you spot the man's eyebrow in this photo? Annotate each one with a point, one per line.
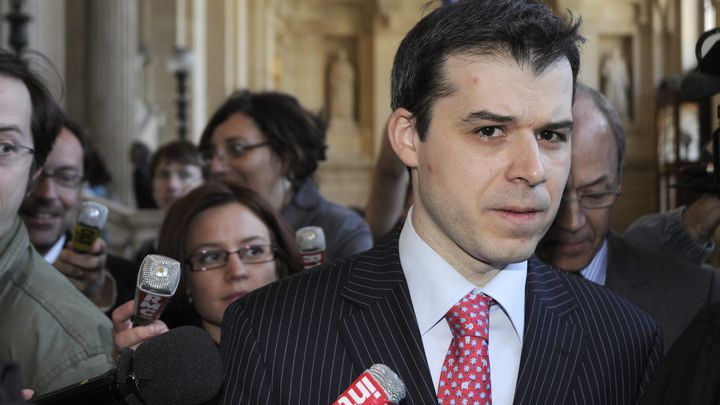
(600, 180)
(567, 124)
(484, 115)
(10, 128)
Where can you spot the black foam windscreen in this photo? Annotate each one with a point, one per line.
(182, 366)
(697, 85)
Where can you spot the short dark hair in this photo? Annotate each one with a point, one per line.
(182, 152)
(613, 118)
(525, 30)
(294, 133)
(175, 229)
(81, 135)
(46, 117)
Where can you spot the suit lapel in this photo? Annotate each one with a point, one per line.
(382, 327)
(552, 342)
(625, 276)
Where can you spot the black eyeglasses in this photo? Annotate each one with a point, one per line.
(9, 152)
(64, 177)
(232, 150)
(211, 259)
(596, 200)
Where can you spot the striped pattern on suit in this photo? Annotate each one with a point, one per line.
(303, 340)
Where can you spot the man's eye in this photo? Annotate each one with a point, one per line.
(7, 148)
(594, 196)
(551, 136)
(68, 176)
(487, 131)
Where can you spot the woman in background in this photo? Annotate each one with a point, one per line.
(229, 242)
(268, 142)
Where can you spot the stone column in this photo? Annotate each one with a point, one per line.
(113, 95)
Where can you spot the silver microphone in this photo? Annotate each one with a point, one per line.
(157, 281)
(90, 222)
(311, 243)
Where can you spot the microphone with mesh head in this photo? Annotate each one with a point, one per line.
(157, 281)
(378, 385)
(90, 222)
(311, 244)
(179, 367)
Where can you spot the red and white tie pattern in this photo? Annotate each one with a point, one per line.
(465, 377)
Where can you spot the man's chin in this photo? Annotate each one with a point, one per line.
(570, 266)
(43, 241)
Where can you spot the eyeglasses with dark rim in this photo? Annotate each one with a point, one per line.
(595, 200)
(9, 152)
(212, 259)
(232, 150)
(64, 177)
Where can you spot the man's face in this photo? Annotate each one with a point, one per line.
(489, 176)
(578, 233)
(15, 115)
(51, 207)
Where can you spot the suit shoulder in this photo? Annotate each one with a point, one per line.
(321, 282)
(596, 301)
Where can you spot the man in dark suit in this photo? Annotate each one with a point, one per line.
(482, 96)
(669, 288)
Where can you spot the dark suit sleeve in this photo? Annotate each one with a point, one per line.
(247, 380)
(714, 294)
(689, 374)
(653, 361)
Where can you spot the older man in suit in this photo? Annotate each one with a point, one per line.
(669, 288)
(482, 95)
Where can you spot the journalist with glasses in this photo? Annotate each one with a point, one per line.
(229, 242)
(268, 142)
(580, 240)
(49, 211)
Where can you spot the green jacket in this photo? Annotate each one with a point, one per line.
(53, 332)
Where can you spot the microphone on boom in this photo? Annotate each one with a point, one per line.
(181, 367)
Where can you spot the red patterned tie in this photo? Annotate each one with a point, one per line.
(465, 377)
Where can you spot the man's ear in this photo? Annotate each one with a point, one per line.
(403, 136)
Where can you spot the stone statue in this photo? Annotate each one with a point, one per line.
(341, 81)
(617, 82)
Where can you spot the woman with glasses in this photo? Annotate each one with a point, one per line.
(268, 142)
(229, 242)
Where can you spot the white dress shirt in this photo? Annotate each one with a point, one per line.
(596, 270)
(435, 287)
(55, 250)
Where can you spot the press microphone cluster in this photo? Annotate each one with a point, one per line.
(182, 366)
(311, 243)
(90, 222)
(378, 385)
(157, 281)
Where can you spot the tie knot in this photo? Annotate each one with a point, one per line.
(470, 316)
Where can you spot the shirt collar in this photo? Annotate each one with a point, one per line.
(54, 251)
(596, 270)
(435, 286)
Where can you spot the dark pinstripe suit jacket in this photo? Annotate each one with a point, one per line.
(668, 288)
(305, 339)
